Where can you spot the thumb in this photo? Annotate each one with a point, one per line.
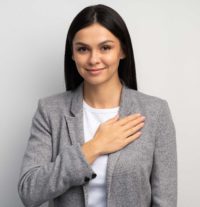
(116, 117)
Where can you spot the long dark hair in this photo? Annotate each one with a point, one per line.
(112, 21)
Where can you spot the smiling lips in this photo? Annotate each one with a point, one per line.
(95, 69)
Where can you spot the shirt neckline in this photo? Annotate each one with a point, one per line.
(101, 110)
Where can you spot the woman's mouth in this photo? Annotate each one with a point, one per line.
(95, 71)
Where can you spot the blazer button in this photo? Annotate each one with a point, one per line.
(94, 175)
(86, 179)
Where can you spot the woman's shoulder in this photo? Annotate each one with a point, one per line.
(150, 104)
(145, 97)
(56, 100)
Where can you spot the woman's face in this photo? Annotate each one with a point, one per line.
(97, 52)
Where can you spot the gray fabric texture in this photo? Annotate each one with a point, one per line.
(142, 174)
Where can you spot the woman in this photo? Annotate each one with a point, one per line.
(91, 145)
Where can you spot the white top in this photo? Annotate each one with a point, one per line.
(92, 117)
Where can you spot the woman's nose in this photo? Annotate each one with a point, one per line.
(94, 57)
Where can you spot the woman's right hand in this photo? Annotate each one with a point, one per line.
(115, 133)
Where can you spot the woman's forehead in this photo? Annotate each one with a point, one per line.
(94, 33)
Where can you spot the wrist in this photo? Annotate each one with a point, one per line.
(90, 151)
(95, 148)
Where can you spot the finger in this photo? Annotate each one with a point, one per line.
(133, 130)
(135, 136)
(127, 119)
(133, 123)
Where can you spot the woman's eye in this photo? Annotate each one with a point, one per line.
(106, 47)
(82, 49)
(85, 49)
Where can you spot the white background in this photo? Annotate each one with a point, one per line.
(166, 42)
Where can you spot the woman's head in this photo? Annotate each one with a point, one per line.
(97, 20)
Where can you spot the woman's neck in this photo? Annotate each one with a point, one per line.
(102, 96)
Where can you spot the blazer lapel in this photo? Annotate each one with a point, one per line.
(75, 120)
(128, 105)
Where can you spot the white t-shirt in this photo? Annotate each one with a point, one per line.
(92, 118)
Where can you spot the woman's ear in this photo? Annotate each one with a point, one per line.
(122, 56)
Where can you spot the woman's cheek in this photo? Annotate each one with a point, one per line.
(112, 58)
(80, 62)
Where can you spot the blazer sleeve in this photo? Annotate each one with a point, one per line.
(164, 171)
(40, 178)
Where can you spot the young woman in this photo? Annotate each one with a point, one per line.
(101, 143)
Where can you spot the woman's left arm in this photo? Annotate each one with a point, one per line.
(164, 171)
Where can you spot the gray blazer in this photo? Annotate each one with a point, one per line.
(142, 174)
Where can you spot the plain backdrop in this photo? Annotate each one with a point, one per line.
(166, 42)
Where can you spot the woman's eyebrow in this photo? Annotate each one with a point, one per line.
(101, 43)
